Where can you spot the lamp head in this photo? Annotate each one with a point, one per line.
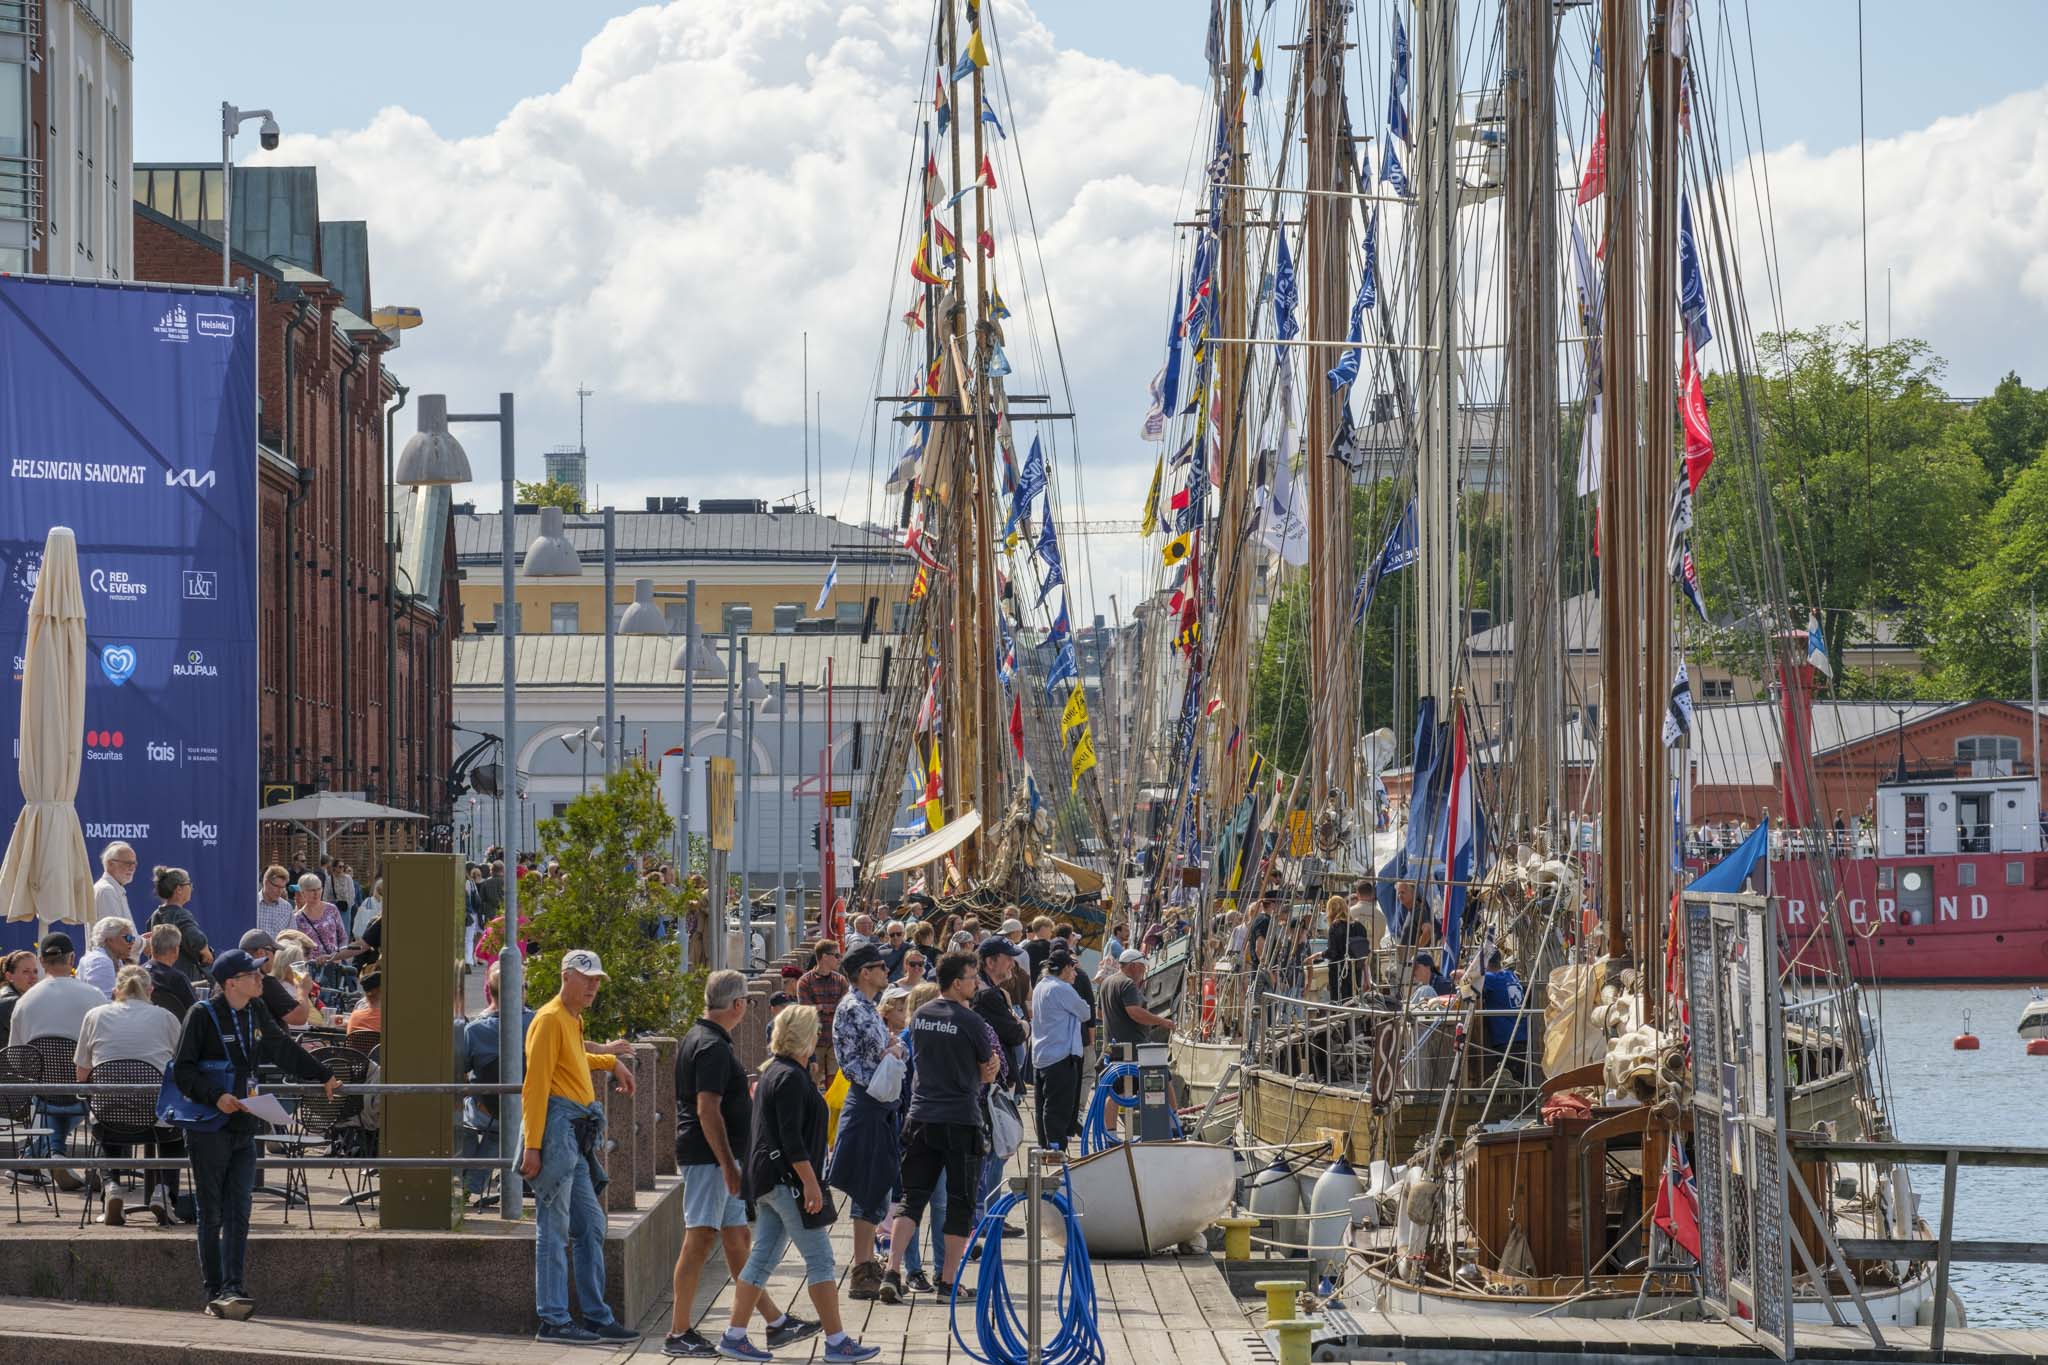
(752, 689)
(432, 457)
(695, 655)
(643, 617)
(549, 554)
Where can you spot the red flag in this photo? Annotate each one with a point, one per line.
(1178, 502)
(1017, 725)
(1692, 410)
(1677, 1210)
(1594, 182)
(987, 242)
(988, 174)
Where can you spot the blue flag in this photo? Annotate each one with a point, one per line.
(1170, 389)
(1346, 369)
(1390, 170)
(1397, 554)
(988, 116)
(1060, 624)
(1397, 112)
(1692, 281)
(1734, 870)
(1049, 555)
(1063, 667)
(1286, 296)
(1030, 483)
(1422, 788)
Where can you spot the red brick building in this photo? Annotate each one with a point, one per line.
(355, 659)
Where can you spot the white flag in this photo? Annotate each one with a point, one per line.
(1678, 713)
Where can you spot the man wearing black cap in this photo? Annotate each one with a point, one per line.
(1000, 959)
(224, 1040)
(284, 1006)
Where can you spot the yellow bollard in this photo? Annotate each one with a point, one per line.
(1237, 1237)
(1293, 1334)
(1279, 1298)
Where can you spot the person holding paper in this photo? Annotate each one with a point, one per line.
(223, 1041)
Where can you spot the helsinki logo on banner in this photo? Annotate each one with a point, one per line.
(118, 663)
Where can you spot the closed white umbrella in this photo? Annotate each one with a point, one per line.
(45, 875)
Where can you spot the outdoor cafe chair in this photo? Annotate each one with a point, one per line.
(126, 1119)
(18, 1127)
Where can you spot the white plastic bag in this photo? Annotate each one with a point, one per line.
(886, 1085)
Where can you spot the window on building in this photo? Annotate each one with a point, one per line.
(736, 618)
(1966, 874)
(1717, 689)
(787, 614)
(110, 170)
(13, 109)
(1998, 749)
(564, 618)
(899, 617)
(847, 616)
(1503, 692)
(2015, 874)
(86, 142)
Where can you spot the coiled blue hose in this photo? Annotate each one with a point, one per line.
(1095, 1134)
(998, 1326)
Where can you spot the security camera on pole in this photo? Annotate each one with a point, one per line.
(231, 121)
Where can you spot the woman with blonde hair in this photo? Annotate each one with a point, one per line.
(785, 1152)
(1343, 948)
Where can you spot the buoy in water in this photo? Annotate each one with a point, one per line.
(1966, 1042)
(2037, 1047)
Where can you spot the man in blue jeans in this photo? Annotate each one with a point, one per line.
(563, 1132)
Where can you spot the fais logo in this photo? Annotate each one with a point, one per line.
(174, 325)
(104, 746)
(118, 663)
(116, 831)
(195, 666)
(159, 751)
(201, 832)
(117, 585)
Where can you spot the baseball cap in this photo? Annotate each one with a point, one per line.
(779, 999)
(1130, 955)
(1013, 926)
(995, 945)
(232, 963)
(893, 994)
(258, 941)
(56, 944)
(867, 955)
(583, 961)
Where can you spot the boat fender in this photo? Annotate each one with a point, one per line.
(1334, 1190)
(1274, 1192)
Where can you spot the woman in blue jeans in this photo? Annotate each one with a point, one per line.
(784, 1153)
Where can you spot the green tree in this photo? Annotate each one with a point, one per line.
(1978, 627)
(1868, 473)
(2009, 428)
(601, 903)
(552, 493)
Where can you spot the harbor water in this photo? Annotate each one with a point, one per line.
(1995, 1095)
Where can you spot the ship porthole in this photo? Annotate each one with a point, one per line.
(2001, 938)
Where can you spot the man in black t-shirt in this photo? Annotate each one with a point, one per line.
(284, 1005)
(953, 1054)
(714, 1113)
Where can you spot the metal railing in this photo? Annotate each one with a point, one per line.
(1337, 1044)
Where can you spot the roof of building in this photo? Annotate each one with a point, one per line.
(644, 661)
(277, 213)
(651, 536)
(345, 259)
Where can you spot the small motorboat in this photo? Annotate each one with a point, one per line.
(1143, 1198)
(2034, 1018)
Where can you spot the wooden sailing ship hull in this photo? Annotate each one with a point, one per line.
(1142, 1198)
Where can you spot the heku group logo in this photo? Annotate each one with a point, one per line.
(118, 663)
(174, 325)
(160, 751)
(200, 832)
(117, 585)
(218, 325)
(202, 585)
(128, 833)
(195, 666)
(104, 746)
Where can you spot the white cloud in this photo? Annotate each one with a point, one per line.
(1958, 211)
(719, 177)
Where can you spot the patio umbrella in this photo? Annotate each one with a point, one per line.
(45, 876)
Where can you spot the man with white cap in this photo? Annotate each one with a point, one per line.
(1124, 1016)
(564, 1128)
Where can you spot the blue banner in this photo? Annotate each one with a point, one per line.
(129, 415)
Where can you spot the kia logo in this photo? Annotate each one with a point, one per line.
(189, 478)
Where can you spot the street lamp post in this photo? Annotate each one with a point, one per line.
(781, 809)
(231, 121)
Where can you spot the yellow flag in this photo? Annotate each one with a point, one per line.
(1084, 757)
(1076, 712)
(1151, 514)
(1177, 549)
(934, 812)
(920, 585)
(976, 53)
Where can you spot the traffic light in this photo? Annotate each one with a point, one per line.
(816, 840)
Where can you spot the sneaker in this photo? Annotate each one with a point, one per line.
(160, 1206)
(850, 1349)
(919, 1282)
(115, 1216)
(942, 1289)
(566, 1333)
(67, 1180)
(213, 1308)
(866, 1281)
(236, 1305)
(891, 1290)
(612, 1331)
(739, 1348)
(691, 1345)
(793, 1330)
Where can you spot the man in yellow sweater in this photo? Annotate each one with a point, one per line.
(564, 1132)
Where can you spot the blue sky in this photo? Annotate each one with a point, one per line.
(589, 163)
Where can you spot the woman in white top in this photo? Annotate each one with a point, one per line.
(370, 911)
(134, 1029)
